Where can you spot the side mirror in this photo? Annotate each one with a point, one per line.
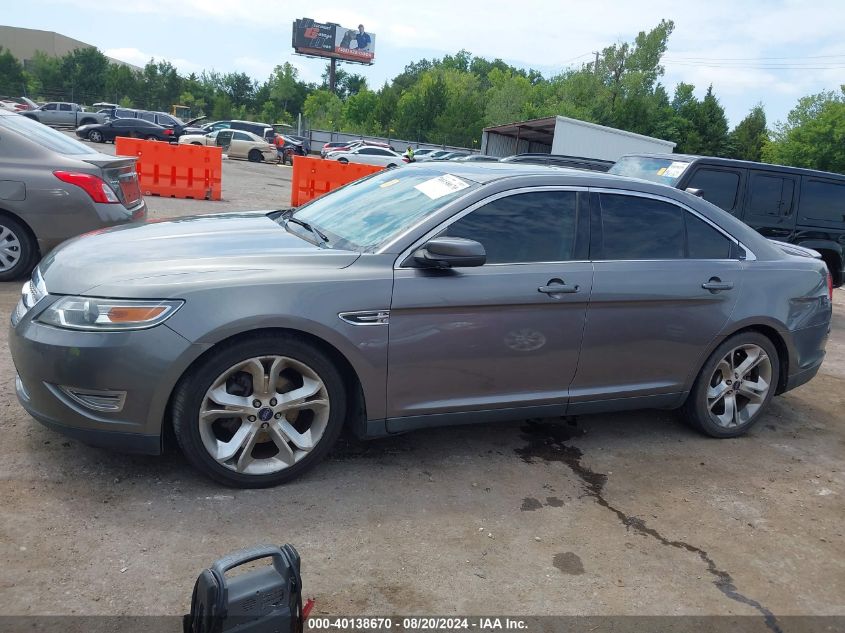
(450, 252)
(695, 192)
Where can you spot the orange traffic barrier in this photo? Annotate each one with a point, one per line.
(175, 171)
(312, 177)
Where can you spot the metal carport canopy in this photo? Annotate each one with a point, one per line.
(538, 130)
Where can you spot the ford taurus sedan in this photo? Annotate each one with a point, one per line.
(437, 294)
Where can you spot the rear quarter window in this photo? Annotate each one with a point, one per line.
(822, 200)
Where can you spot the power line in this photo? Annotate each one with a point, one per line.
(752, 59)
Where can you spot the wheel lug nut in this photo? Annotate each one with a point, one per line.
(256, 403)
(272, 402)
(251, 418)
(277, 416)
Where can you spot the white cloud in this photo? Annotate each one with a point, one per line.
(140, 58)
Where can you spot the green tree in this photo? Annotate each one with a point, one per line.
(120, 82)
(45, 76)
(84, 75)
(384, 110)
(748, 137)
(507, 97)
(285, 86)
(240, 87)
(324, 110)
(359, 110)
(12, 79)
(222, 108)
(712, 125)
(813, 135)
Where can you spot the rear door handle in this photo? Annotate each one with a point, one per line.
(715, 285)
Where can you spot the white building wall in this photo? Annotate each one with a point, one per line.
(579, 138)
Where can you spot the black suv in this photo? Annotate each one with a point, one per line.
(560, 160)
(799, 206)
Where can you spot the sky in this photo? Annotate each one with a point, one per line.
(751, 51)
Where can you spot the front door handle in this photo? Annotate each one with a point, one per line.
(714, 284)
(557, 287)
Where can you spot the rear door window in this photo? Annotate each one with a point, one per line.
(65, 107)
(771, 195)
(822, 200)
(635, 228)
(241, 136)
(147, 116)
(718, 186)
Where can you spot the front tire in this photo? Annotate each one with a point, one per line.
(18, 249)
(95, 136)
(735, 386)
(260, 411)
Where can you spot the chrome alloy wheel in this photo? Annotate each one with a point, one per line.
(10, 249)
(739, 386)
(263, 415)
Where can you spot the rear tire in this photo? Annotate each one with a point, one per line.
(18, 249)
(734, 387)
(195, 143)
(277, 442)
(254, 156)
(342, 161)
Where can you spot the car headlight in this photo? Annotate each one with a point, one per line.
(107, 315)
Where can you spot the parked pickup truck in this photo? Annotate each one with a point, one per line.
(65, 115)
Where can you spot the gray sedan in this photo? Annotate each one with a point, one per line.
(52, 188)
(441, 293)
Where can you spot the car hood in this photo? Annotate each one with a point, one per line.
(165, 258)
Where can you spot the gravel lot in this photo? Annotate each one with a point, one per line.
(617, 514)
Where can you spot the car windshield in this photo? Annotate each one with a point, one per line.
(666, 171)
(45, 136)
(368, 213)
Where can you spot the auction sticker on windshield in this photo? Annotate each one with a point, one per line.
(674, 170)
(441, 186)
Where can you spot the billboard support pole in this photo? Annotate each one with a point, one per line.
(332, 68)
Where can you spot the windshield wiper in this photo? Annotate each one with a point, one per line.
(322, 240)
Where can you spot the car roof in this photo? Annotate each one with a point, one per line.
(734, 162)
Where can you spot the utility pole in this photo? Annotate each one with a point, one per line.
(596, 67)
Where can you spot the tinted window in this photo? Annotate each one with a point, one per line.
(719, 187)
(705, 242)
(526, 227)
(124, 123)
(641, 228)
(64, 107)
(366, 150)
(50, 106)
(120, 113)
(241, 136)
(163, 119)
(45, 136)
(147, 116)
(823, 200)
(770, 195)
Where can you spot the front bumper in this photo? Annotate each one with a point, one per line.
(145, 364)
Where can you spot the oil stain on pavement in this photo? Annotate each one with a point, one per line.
(547, 441)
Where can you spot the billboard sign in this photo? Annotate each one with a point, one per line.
(333, 40)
